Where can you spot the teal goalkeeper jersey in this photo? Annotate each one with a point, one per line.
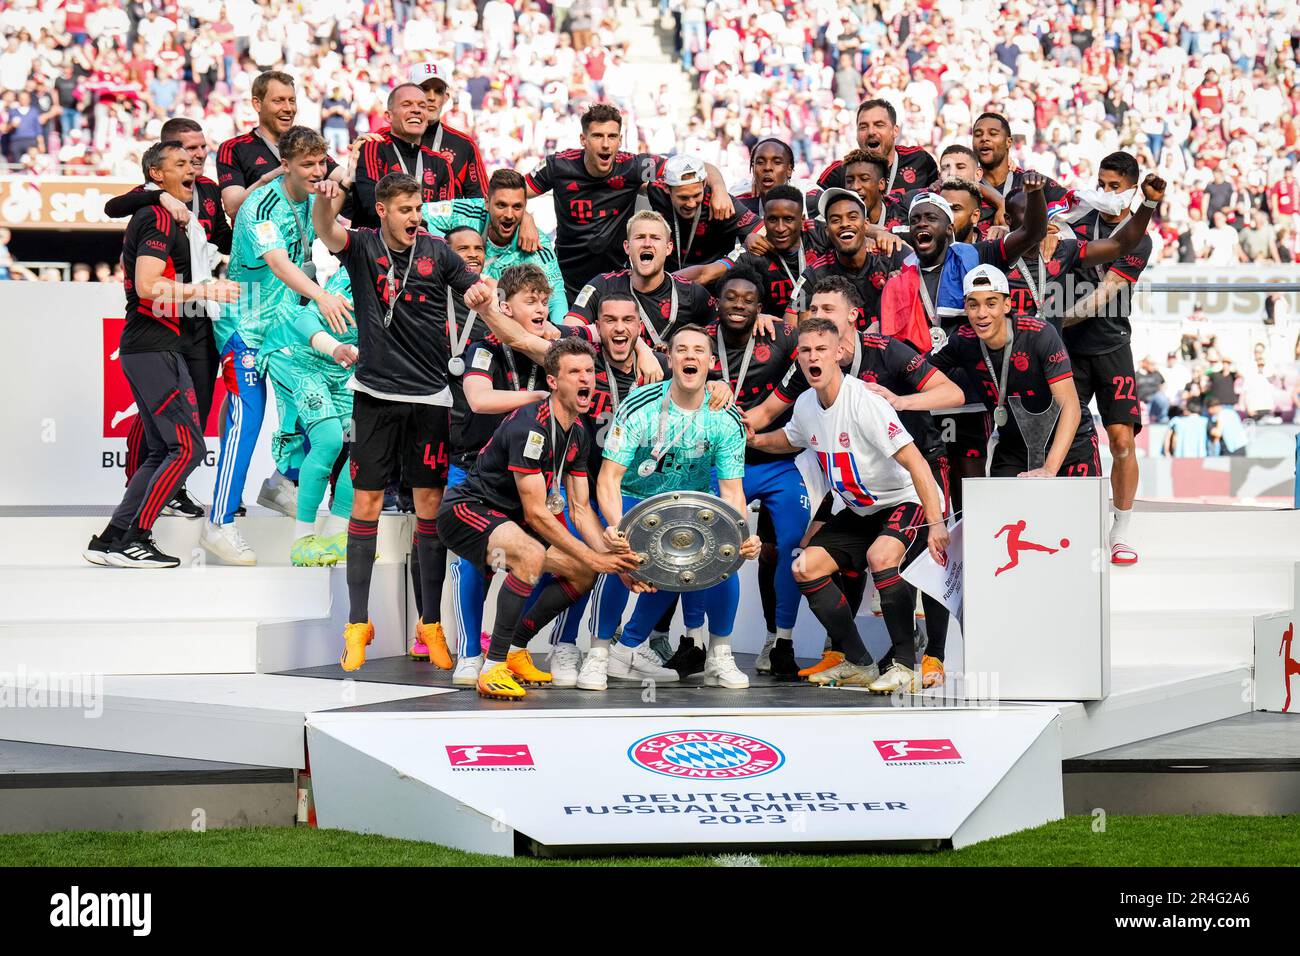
(266, 221)
(442, 217)
(694, 445)
(294, 336)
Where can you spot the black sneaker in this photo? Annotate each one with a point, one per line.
(391, 504)
(97, 551)
(183, 506)
(241, 511)
(139, 552)
(784, 666)
(678, 657)
(691, 662)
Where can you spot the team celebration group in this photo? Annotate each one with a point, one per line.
(839, 357)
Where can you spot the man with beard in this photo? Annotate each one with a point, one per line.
(664, 301)
(198, 347)
(902, 376)
(864, 457)
(253, 159)
(853, 255)
(459, 149)
(594, 189)
(1038, 278)
(1099, 337)
(400, 151)
(665, 438)
(504, 513)
(683, 197)
(499, 220)
(909, 167)
(1020, 361)
(991, 138)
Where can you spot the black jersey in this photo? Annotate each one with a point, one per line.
(460, 150)
(460, 413)
(407, 355)
(527, 442)
(1038, 361)
(892, 214)
(392, 155)
(771, 368)
(154, 326)
(606, 400)
(703, 239)
(916, 169)
(1109, 330)
(591, 212)
(695, 305)
(781, 270)
(243, 160)
(1034, 280)
(869, 280)
(506, 370)
(1052, 192)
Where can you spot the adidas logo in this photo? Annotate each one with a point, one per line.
(893, 430)
(261, 161)
(572, 187)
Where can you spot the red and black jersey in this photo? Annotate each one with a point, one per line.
(1052, 192)
(781, 270)
(461, 152)
(695, 304)
(528, 442)
(1034, 282)
(1038, 361)
(506, 370)
(706, 239)
(892, 213)
(869, 280)
(243, 160)
(916, 170)
(1109, 330)
(605, 403)
(591, 212)
(392, 155)
(408, 356)
(772, 368)
(153, 326)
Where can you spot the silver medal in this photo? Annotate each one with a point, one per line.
(555, 503)
(456, 366)
(1000, 416)
(647, 468)
(938, 337)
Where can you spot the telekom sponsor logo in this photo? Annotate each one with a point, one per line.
(490, 755)
(916, 751)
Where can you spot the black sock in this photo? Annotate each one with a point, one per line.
(784, 644)
(854, 586)
(936, 626)
(665, 622)
(555, 597)
(433, 568)
(898, 605)
(361, 565)
(415, 573)
(767, 585)
(510, 608)
(112, 534)
(831, 608)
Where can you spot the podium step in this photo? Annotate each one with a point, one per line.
(1186, 583)
(1161, 637)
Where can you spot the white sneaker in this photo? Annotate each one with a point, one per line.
(720, 670)
(638, 663)
(224, 541)
(764, 663)
(594, 670)
(279, 494)
(466, 672)
(565, 662)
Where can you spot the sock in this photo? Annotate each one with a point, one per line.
(693, 636)
(303, 528)
(1119, 529)
(657, 633)
(414, 563)
(831, 608)
(555, 597)
(111, 534)
(898, 607)
(600, 642)
(433, 569)
(361, 565)
(767, 586)
(936, 626)
(716, 643)
(334, 524)
(510, 608)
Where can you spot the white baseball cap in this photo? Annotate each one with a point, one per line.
(835, 194)
(422, 73)
(985, 278)
(681, 170)
(933, 199)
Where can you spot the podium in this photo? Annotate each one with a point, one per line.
(1036, 586)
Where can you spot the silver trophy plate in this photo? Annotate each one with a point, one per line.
(684, 540)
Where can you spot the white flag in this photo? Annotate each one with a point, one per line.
(941, 581)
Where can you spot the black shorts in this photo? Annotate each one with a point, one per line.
(464, 526)
(386, 434)
(848, 535)
(1109, 378)
(1081, 462)
(965, 434)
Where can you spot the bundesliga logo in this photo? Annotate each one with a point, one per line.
(705, 754)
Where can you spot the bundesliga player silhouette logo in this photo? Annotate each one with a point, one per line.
(1015, 545)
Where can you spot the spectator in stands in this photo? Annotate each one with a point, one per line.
(1227, 434)
(1150, 392)
(1189, 434)
(1259, 239)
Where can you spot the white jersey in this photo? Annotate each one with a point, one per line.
(851, 448)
